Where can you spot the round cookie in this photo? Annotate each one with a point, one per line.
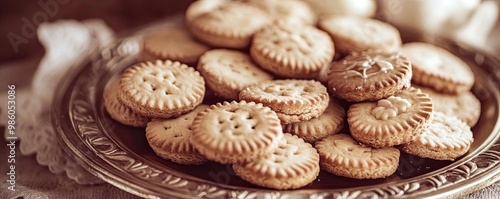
(341, 155)
(286, 11)
(437, 68)
(173, 43)
(355, 34)
(292, 100)
(369, 76)
(169, 138)
(465, 105)
(199, 7)
(161, 89)
(392, 121)
(328, 123)
(292, 51)
(227, 72)
(446, 138)
(293, 164)
(120, 112)
(236, 132)
(230, 25)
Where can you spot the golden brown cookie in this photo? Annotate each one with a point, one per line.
(437, 68)
(293, 164)
(230, 25)
(161, 89)
(369, 76)
(286, 11)
(227, 72)
(392, 121)
(292, 100)
(236, 132)
(355, 34)
(169, 138)
(446, 138)
(173, 43)
(465, 105)
(328, 123)
(200, 7)
(292, 51)
(120, 112)
(341, 155)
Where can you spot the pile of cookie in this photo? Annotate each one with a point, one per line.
(280, 93)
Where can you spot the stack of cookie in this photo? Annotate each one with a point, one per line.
(265, 94)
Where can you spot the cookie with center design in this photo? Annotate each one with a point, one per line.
(236, 132)
(293, 164)
(292, 51)
(161, 89)
(369, 76)
(328, 123)
(227, 72)
(173, 43)
(292, 100)
(355, 34)
(437, 68)
(392, 121)
(341, 155)
(446, 138)
(287, 11)
(230, 25)
(465, 105)
(120, 112)
(169, 138)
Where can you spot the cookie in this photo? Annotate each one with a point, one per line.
(173, 43)
(437, 68)
(161, 89)
(292, 51)
(446, 138)
(227, 72)
(341, 155)
(369, 76)
(465, 105)
(120, 112)
(355, 34)
(199, 7)
(293, 164)
(230, 25)
(392, 121)
(169, 138)
(286, 11)
(292, 100)
(328, 123)
(236, 132)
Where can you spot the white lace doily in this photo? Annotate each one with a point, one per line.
(66, 42)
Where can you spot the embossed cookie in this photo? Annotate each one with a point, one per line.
(369, 76)
(292, 51)
(227, 72)
(392, 121)
(120, 112)
(236, 132)
(200, 7)
(161, 89)
(286, 11)
(355, 34)
(230, 25)
(293, 164)
(446, 138)
(173, 43)
(169, 138)
(437, 68)
(465, 105)
(292, 100)
(328, 123)
(341, 155)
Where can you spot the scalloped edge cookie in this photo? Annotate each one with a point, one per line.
(120, 112)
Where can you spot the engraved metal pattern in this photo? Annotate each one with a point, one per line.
(77, 124)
